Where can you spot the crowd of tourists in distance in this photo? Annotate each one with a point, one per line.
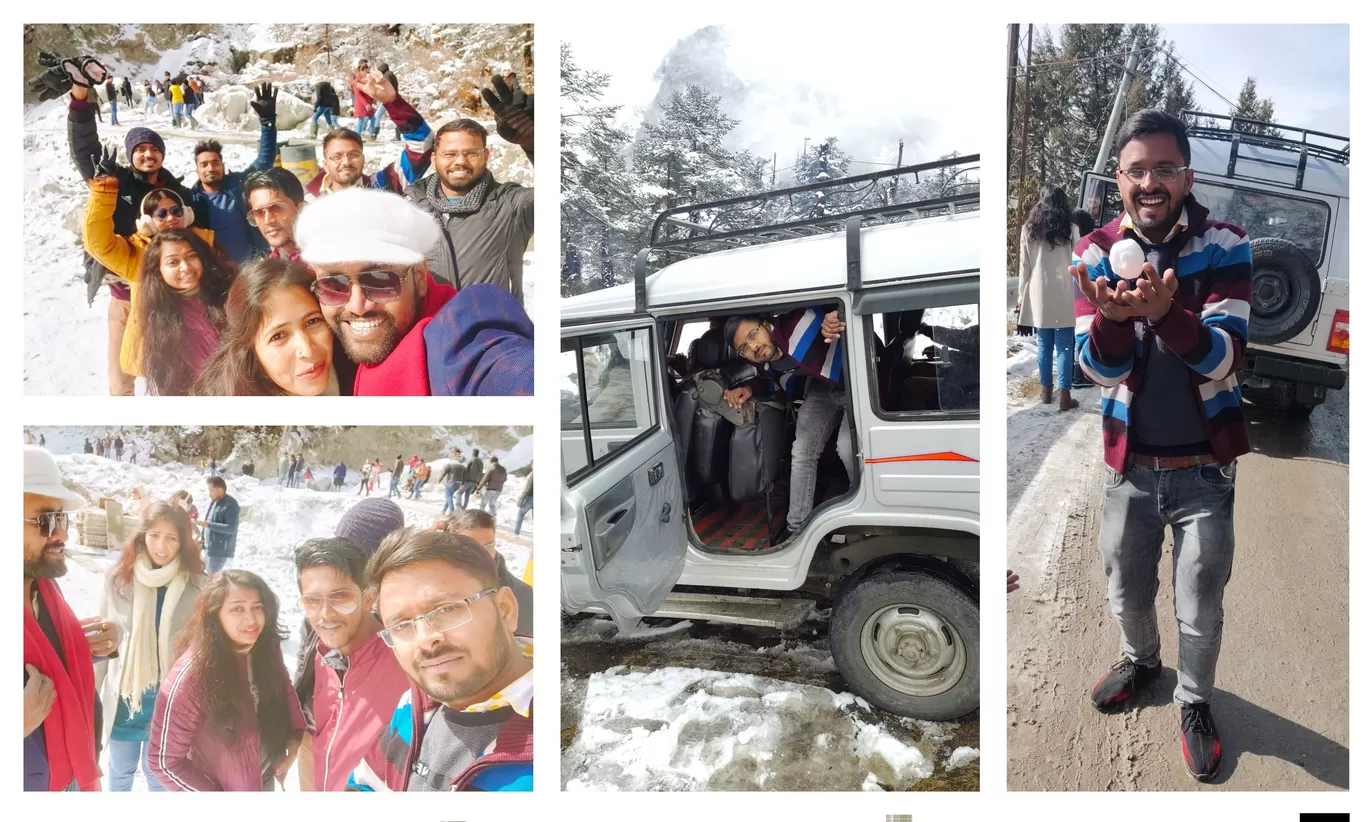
(414, 670)
(252, 282)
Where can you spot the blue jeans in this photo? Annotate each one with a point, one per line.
(123, 763)
(176, 109)
(1060, 342)
(148, 102)
(450, 503)
(463, 495)
(113, 112)
(523, 508)
(364, 125)
(217, 564)
(190, 111)
(489, 498)
(375, 120)
(326, 112)
(394, 487)
(1199, 505)
(417, 488)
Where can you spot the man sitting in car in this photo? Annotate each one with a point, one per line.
(804, 343)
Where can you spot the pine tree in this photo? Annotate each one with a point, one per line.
(1248, 104)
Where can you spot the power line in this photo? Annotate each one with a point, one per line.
(1194, 76)
(1042, 68)
(1204, 74)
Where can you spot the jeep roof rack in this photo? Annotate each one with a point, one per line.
(1236, 135)
(840, 204)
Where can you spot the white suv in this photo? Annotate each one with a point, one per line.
(1290, 192)
(671, 498)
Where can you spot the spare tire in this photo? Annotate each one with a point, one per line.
(1286, 291)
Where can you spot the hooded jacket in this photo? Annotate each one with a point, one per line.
(188, 753)
(404, 372)
(122, 256)
(483, 246)
(351, 711)
(494, 478)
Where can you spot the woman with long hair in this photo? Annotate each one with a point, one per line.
(1046, 290)
(227, 718)
(197, 272)
(277, 342)
(184, 286)
(150, 591)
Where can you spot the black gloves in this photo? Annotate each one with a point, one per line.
(265, 102)
(512, 112)
(105, 163)
(62, 74)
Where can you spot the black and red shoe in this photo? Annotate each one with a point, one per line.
(1121, 683)
(1201, 742)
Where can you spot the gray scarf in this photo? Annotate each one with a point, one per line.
(469, 203)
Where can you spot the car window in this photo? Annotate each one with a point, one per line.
(691, 331)
(1267, 214)
(927, 360)
(611, 374)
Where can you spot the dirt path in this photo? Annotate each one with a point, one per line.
(1282, 701)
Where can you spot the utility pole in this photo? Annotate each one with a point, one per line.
(1114, 121)
(899, 165)
(1013, 35)
(1025, 123)
(774, 168)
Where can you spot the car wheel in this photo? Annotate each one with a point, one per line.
(1286, 291)
(908, 642)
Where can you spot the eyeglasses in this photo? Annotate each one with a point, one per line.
(379, 286)
(1163, 174)
(472, 155)
(273, 210)
(51, 522)
(343, 602)
(441, 620)
(173, 211)
(350, 155)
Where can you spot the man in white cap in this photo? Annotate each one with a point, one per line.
(368, 250)
(61, 712)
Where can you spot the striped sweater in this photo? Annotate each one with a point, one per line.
(1207, 327)
(799, 334)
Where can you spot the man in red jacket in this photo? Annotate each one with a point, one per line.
(356, 678)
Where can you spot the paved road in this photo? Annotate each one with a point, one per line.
(1282, 702)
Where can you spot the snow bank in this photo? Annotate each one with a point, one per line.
(689, 729)
(231, 107)
(960, 757)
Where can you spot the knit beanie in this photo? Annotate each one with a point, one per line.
(369, 521)
(139, 135)
(364, 225)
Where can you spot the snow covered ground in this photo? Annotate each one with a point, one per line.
(273, 521)
(64, 337)
(707, 707)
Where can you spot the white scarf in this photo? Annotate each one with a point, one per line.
(147, 652)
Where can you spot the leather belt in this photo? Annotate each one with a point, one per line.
(1169, 463)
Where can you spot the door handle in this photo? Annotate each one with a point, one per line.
(656, 473)
(665, 513)
(616, 516)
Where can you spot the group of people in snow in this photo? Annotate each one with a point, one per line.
(253, 283)
(110, 445)
(368, 112)
(414, 670)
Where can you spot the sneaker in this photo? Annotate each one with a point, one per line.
(1118, 685)
(1201, 743)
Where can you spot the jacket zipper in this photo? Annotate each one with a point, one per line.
(327, 756)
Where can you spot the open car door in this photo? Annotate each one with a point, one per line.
(623, 537)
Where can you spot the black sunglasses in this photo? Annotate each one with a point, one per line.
(49, 523)
(379, 285)
(173, 211)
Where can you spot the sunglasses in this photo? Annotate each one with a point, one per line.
(256, 215)
(50, 522)
(378, 286)
(343, 602)
(173, 211)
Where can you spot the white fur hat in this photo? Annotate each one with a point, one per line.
(364, 225)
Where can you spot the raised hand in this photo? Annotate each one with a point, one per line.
(105, 163)
(52, 83)
(377, 87)
(513, 111)
(832, 326)
(1152, 295)
(1105, 299)
(265, 102)
(94, 70)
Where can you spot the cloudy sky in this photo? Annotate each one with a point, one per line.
(790, 80)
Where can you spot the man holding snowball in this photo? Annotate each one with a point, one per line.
(1162, 323)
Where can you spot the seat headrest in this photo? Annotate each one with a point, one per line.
(709, 350)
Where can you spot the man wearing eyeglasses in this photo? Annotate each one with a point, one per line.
(368, 251)
(344, 158)
(481, 527)
(222, 190)
(1166, 350)
(486, 225)
(466, 721)
(357, 680)
(61, 713)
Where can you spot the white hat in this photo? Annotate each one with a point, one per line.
(364, 225)
(42, 477)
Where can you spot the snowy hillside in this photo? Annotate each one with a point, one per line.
(440, 69)
(274, 520)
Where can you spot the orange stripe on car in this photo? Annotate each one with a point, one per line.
(939, 456)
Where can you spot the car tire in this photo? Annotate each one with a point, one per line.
(908, 642)
(1286, 291)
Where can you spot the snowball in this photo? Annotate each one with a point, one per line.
(1127, 258)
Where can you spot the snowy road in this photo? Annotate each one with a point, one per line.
(1282, 700)
(716, 707)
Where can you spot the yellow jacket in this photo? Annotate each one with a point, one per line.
(177, 96)
(123, 256)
